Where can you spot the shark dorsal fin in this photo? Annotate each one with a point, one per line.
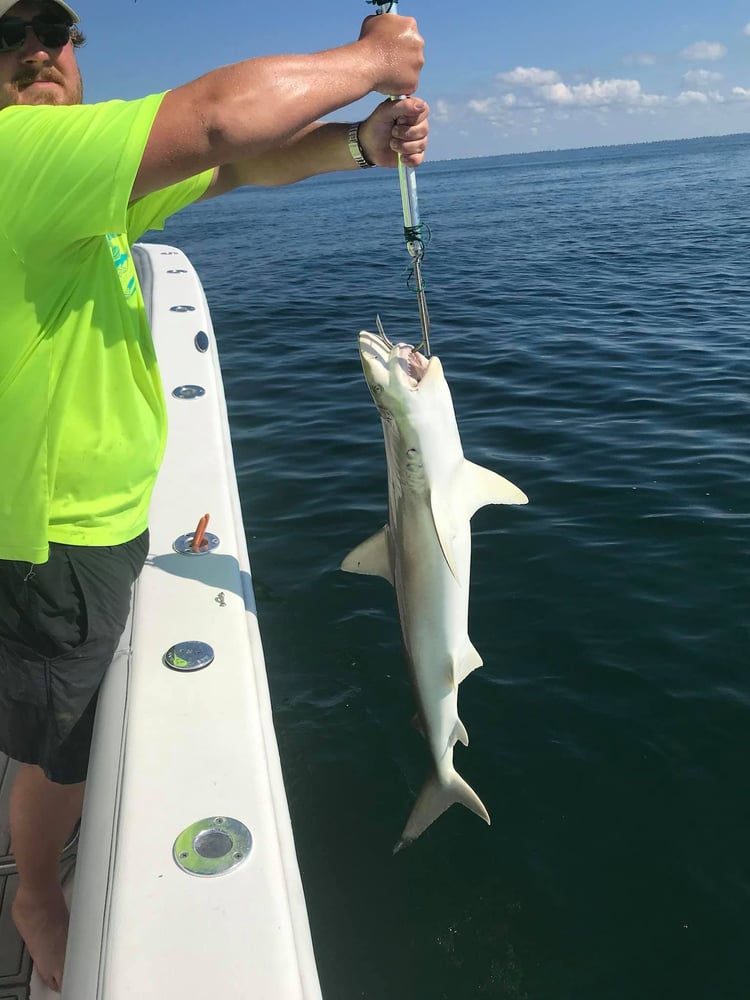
(372, 557)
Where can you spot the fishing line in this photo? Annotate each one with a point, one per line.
(413, 226)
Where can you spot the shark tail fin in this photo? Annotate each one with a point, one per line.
(436, 796)
(371, 557)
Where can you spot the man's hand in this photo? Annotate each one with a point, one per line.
(396, 127)
(395, 50)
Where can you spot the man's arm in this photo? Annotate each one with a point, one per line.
(251, 108)
(394, 128)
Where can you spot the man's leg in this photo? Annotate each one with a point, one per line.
(42, 816)
(60, 623)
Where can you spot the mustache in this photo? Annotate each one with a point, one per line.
(23, 80)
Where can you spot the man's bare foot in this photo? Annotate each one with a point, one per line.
(42, 922)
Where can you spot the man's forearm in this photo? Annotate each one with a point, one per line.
(318, 149)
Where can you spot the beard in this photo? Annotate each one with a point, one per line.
(59, 90)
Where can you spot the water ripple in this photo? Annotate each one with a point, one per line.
(591, 313)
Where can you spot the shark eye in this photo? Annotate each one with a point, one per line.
(376, 387)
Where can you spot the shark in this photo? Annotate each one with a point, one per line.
(424, 550)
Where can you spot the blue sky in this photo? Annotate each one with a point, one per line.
(500, 77)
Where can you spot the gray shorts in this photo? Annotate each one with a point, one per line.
(60, 623)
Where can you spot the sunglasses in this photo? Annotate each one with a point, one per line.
(51, 32)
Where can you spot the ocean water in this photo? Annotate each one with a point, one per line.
(592, 313)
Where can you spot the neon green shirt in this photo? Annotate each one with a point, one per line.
(82, 415)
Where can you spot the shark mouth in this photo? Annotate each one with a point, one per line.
(410, 365)
(413, 365)
(416, 367)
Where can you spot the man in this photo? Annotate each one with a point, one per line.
(81, 406)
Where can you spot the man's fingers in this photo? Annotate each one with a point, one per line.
(409, 148)
(412, 153)
(409, 111)
(408, 133)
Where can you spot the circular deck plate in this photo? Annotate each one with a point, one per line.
(188, 656)
(183, 543)
(212, 846)
(188, 392)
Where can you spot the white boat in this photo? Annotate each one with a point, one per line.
(187, 883)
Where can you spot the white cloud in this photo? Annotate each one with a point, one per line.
(529, 76)
(640, 59)
(700, 79)
(545, 88)
(598, 93)
(530, 97)
(692, 97)
(540, 93)
(482, 106)
(497, 110)
(699, 97)
(441, 111)
(705, 51)
(486, 104)
(746, 29)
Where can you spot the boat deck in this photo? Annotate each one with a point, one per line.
(177, 751)
(15, 964)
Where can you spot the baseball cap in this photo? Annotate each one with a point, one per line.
(5, 6)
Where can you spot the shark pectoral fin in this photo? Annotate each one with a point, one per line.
(372, 557)
(468, 662)
(445, 531)
(480, 486)
(437, 796)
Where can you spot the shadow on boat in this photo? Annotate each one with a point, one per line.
(217, 571)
